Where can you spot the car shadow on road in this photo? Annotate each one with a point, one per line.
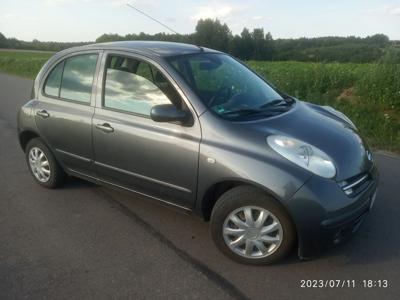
(77, 183)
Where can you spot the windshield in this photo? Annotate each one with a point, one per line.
(227, 87)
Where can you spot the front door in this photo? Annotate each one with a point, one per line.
(131, 150)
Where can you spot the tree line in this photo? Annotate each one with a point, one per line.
(251, 45)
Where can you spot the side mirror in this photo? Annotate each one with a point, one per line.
(169, 113)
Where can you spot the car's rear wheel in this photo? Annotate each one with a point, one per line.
(43, 165)
(250, 227)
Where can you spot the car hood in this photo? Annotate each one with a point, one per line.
(324, 129)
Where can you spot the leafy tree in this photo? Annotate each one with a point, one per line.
(3, 41)
(246, 45)
(109, 38)
(253, 45)
(213, 34)
(391, 55)
(262, 45)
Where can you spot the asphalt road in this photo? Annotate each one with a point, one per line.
(85, 241)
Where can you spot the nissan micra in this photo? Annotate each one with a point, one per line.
(195, 128)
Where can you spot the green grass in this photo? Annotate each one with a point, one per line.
(23, 63)
(368, 93)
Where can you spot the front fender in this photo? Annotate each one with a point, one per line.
(218, 164)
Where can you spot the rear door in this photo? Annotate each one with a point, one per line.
(65, 110)
(131, 150)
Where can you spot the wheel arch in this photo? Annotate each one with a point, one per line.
(25, 136)
(212, 194)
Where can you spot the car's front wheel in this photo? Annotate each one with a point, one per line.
(249, 226)
(43, 165)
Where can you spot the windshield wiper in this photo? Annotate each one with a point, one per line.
(271, 108)
(275, 103)
(242, 112)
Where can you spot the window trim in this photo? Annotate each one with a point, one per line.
(62, 60)
(140, 59)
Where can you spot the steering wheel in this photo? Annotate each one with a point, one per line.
(223, 93)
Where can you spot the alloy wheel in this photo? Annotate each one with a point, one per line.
(39, 164)
(252, 232)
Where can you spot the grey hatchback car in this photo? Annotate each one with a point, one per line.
(195, 128)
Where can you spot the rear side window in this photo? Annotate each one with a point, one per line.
(53, 82)
(72, 79)
(135, 86)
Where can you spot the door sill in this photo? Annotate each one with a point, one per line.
(107, 183)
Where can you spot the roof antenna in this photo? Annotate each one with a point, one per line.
(150, 17)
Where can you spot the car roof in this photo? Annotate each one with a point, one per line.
(155, 48)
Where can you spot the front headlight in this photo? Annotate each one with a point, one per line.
(303, 155)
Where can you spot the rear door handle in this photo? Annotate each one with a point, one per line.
(105, 127)
(43, 113)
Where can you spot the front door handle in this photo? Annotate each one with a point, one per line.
(105, 127)
(43, 113)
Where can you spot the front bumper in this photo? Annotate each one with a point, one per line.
(324, 215)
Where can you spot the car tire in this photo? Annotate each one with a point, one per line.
(42, 164)
(245, 244)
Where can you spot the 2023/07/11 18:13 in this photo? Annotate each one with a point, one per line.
(343, 283)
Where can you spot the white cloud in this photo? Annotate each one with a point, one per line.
(8, 16)
(257, 17)
(117, 2)
(57, 2)
(170, 19)
(97, 2)
(214, 11)
(387, 10)
(393, 10)
(4, 18)
(136, 3)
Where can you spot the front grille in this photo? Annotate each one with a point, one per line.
(356, 184)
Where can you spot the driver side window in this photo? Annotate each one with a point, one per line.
(135, 86)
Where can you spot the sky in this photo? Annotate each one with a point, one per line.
(85, 20)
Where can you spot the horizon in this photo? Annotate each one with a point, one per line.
(86, 20)
(274, 38)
